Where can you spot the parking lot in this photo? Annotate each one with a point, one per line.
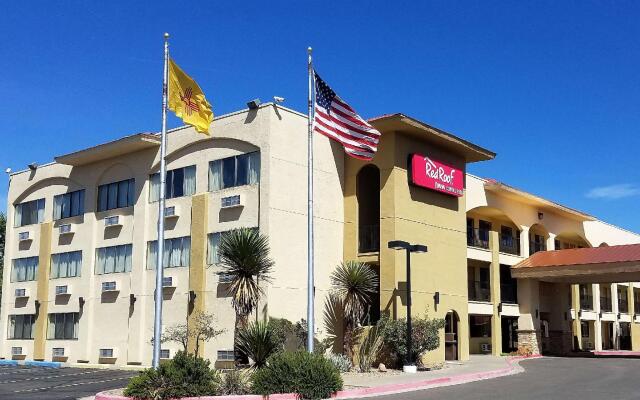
(23, 382)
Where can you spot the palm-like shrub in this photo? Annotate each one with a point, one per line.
(258, 342)
(353, 284)
(244, 258)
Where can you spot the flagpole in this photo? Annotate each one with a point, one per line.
(157, 324)
(310, 282)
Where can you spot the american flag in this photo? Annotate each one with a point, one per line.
(337, 120)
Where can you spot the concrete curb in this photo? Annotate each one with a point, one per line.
(394, 388)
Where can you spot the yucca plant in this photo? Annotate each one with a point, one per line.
(258, 341)
(244, 258)
(354, 283)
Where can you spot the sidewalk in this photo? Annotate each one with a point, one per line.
(476, 363)
(477, 368)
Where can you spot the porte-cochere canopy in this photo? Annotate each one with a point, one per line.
(607, 264)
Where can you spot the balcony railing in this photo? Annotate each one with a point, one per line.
(535, 247)
(509, 244)
(478, 238)
(509, 293)
(623, 305)
(586, 302)
(605, 304)
(368, 238)
(479, 291)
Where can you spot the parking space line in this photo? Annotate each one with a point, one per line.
(71, 385)
(49, 377)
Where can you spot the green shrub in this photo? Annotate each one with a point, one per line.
(340, 361)
(258, 342)
(309, 375)
(184, 376)
(425, 337)
(282, 329)
(235, 382)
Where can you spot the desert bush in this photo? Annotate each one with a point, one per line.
(371, 345)
(309, 375)
(340, 361)
(184, 376)
(258, 342)
(235, 382)
(282, 329)
(425, 337)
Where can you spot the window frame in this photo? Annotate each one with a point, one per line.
(75, 326)
(170, 183)
(14, 274)
(251, 157)
(11, 333)
(128, 249)
(39, 215)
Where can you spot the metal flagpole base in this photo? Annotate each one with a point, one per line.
(410, 369)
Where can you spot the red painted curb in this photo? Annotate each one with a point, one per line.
(370, 391)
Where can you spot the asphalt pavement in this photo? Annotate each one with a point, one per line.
(547, 378)
(37, 383)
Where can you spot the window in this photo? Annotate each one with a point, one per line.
(480, 326)
(63, 326)
(584, 328)
(30, 212)
(68, 204)
(66, 265)
(165, 354)
(212, 247)
(226, 355)
(21, 326)
(234, 171)
(113, 259)
(116, 195)
(177, 253)
(179, 182)
(24, 269)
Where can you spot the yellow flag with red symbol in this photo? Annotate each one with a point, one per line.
(187, 101)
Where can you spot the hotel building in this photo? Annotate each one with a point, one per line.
(80, 246)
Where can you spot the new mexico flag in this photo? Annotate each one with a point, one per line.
(187, 100)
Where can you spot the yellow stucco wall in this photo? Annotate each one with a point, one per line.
(42, 296)
(416, 215)
(198, 266)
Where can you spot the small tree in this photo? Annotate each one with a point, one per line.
(244, 258)
(425, 335)
(203, 329)
(353, 283)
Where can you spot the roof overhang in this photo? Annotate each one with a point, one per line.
(125, 145)
(588, 265)
(535, 201)
(402, 123)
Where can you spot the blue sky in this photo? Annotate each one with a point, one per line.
(552, 87)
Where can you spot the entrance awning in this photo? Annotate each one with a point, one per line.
(608, 264)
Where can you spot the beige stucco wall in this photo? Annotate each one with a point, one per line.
(277, 205)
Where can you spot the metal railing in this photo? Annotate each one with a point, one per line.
(605, 304)
(478, 238)
(509, 293)
(535, 247)
(368, 238)
(586, 302)
(479, 291)
(509, 244)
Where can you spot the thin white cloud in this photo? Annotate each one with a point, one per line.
(614, 192)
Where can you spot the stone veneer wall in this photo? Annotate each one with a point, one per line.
(529, 339)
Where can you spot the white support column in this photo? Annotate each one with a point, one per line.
(597, 325)
(551, 241)
(524, 241)
(616, 323)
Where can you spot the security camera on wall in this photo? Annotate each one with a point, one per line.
(8, 170)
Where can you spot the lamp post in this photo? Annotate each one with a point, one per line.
(409, 248)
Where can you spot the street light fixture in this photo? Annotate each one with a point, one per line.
(409, 248)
